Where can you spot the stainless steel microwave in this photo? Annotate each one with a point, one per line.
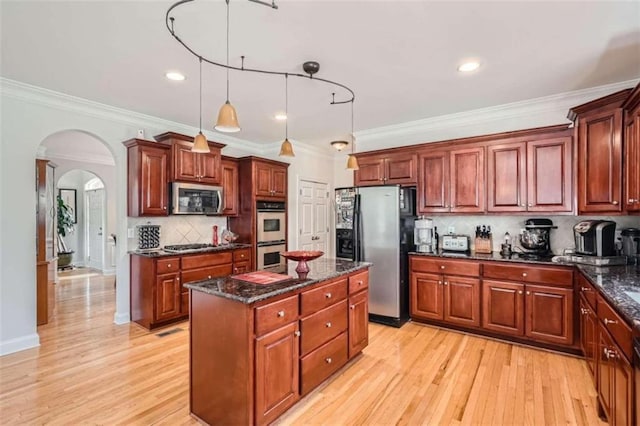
(191, 198)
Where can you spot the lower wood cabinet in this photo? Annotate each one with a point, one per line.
(268, 354)
(168, 297)
(615, 380)
(589, 335)
(503, 307)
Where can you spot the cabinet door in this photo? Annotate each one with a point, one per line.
(632, 161)
(605, 374)
(433, 187)
(467, 180)
(279, 182)
(549, 314)
(358, 323)
(168, 297)
(622, 390)
(230, 187)
(371, 172)
(153, 182)
(503, 307)
(209, 167)
(185, 162)
(588, 336)
(507, 177)
(263, 179)
(549, 175)
(426, 296)
(600, 162)
(277, 373)
(401, 169)
(241, 267)
(462, 301)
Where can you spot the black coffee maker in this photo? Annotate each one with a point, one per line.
(535, 239)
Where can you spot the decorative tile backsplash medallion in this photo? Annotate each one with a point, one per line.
(180, 229)
(561, 238)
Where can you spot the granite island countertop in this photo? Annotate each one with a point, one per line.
(321, 269)
(161, 253)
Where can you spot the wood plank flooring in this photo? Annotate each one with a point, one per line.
(90, 371)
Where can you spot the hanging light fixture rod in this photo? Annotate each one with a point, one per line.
(170, 21)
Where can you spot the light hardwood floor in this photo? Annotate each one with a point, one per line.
(90, 371)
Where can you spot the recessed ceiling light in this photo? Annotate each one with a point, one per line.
(281, 117)
(175, 76)
(469, 66)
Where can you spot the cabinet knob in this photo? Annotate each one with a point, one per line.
(524, 274)
(631, 200)
(297, 333)
(328, 325)
(242, 256)
(583, 311)
(360, 283)
(352, 307)
(615, 203)
(327, 360)
(439, 282)
(519, 291)
(381, 179)
(528, 293)
(584, 289)
(441, 266)
(521, 205)
(529, 205)
(280, 314)
(168, 265)
(446, 283)
(209, 276)
(328, 295)
(608, 321)
(177, 278)
(164, 207)
(235, 269)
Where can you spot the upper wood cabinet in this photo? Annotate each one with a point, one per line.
(270, 179)
(230, 186)
(632, 152)
(387, 169)
(147, 179)
(452, 181)
(530, 176)
(599, 129)
(188, 166)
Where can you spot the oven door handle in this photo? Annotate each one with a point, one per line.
(271, 243)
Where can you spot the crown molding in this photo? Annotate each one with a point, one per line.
(299, 146)
(40, 96)
(105, 160)
(560, 102)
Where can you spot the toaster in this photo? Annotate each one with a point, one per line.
(452, 242)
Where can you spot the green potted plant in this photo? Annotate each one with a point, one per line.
(65, 226)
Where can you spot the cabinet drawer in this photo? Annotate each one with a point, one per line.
(276, 314)
(529, 274)
(241, 267)
(201, 260)
(322, 326)
(323, 362)
(619, 329)
(358, 282)
(242, 255)
(319, 298)
(169, 264)
(586, 289)
(205, 273)
(445, 266)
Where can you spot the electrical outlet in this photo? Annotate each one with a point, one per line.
(131, 233)
(451, 230)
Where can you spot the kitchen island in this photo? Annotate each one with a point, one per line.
(255, 349)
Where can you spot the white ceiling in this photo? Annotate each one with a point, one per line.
(399, 57)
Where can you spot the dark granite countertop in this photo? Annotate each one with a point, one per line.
(162, 253)
(493, 256)
(615, 282)
(245, 292)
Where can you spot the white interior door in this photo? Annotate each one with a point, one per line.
(313, 204)
(95, 228)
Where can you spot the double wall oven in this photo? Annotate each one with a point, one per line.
(271, 231)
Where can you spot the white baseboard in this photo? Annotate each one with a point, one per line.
(19, 344)
(110, 271)
(121, 318)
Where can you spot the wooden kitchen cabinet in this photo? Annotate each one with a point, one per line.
(452, 181)
(632, 152)
(242, 261)
(503, 307)
(358, 322)
(168, 299)
(390, 168)
(426, 296)
(230, 187)
(147, 178)
(599, 130)
(615, 381)
(549, 314)
(270, 180)
(533, 176)
(589, 336)
(188, 166)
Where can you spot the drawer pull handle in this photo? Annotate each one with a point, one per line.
(524, 274)
(297, 333)
(441, 266)
(608, 321)
(280, 314)
(352, 307)
(328, 295)
(328, 325)
(327, 360)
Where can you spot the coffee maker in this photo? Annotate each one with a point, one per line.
(595, 238)
(535, 239)
(423, 235)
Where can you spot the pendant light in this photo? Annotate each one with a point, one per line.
(286, 150)
(200, 142)
(352, 161)
(227, 117)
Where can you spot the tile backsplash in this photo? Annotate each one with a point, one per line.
(179, 229)
(561, 238)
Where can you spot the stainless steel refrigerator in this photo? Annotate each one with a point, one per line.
(383, 219)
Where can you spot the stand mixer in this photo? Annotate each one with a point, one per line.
(535, 239)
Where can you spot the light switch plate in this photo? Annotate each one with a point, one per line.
(131, 233)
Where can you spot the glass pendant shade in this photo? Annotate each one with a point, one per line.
(339, 145)
(286, 149)
(227, 119)
(200, 144)
(352, 163)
